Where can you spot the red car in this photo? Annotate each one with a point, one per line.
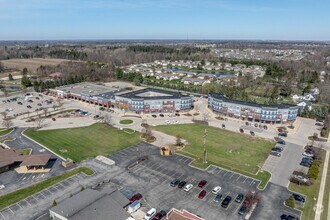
(202, 194)
(241, 130)
(136, 196)
(202, 183)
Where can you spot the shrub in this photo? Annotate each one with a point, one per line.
(290, 202)
(54, 203)
(313, 171)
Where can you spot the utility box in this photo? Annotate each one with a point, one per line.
(134, 206)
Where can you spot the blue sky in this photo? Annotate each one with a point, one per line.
(165, 19)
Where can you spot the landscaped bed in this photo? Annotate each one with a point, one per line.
(85, 142)
(126, 121)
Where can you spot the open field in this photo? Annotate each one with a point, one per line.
(85, 142)
(18, 195)
(311, 192)
(31, 64)
(225, 148)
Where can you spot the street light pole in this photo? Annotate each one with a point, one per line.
(205, 152)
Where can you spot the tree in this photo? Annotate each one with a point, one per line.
(2, 67)
(178, 141)
(7, 123)
(119, 73)
(45, 110)
(4, 115)
(206, 117)
(10, 77)
(290, 202)
(40, 121)
(107, 119)
(54, 203)
(251, 198)
(24, 72)
(25, 81)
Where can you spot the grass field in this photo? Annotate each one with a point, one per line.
(326, 195)
(31, 64)
(18, 195)
(85, 142)
(225, 148)
(311, 192)
(126, 121)
(4, 131)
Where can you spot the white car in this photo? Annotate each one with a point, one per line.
(216, 190)
(151, 213)
(308, 154)
(188, 187)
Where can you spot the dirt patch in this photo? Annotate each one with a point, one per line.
(31, 64)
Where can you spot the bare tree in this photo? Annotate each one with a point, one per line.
(251, 198)
(4, 115)
(45, 110)
(107, 119)
(7, 123)
(40, 121)
(178, 141)
(206, 117)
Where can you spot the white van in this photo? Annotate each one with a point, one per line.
(150, 214)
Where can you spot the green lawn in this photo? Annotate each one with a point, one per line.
(126, 121)
(4, 131)
(311, 192)
(85, 142)
(324, 215)
(20, 194)
(226, 148)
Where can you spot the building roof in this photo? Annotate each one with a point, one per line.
(175, 214)
(223, 98)
(36, 160)
(150, 93)
(10, 156)
(92, 204)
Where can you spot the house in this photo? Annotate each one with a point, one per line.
(305, 105)
(296, 97)
(309, 97)
(92, 204)
(315, 91)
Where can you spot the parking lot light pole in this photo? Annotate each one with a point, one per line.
(205, 152)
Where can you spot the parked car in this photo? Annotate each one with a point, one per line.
(202, 194)
(155, 116)
(242, 210)
(223, 126)
(256, 125)
(281, 142)
(37, 98)
(241, 130)
(177, 114)
(182, 184)
(188, 187)
(29, 106)
(308, 154)
(202, 183)
(239, 198)
(247, 123)
(161, 115)
(277, 149)
(174, 182)
(20, 103)
(282, 134)
(265, 127)
(226, 202)
(39, 104)
(159, 215)
(298, 197)
(252, 133)
(288, 217)
(136, 196)
(217, 198)
(30, 100)
(101, 108)
(276, 154)
(151, 213)
(216, 190)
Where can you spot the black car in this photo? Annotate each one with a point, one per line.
(298, 197)
(277, 149)
(175, 182)
(252, 133)
(288, 217)
(101, 108)
(182, 184)
(226, 202)
(29, 106)
(242, 210)
(239, 198)
(161, 115)
(283, 134)
(305, 164)
(20, 103)
(155, 116)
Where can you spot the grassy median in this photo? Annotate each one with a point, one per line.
(4, 131)
(226, 149)
(85, 142)
(20, 194)
(326, 196)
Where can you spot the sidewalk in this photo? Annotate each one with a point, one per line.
(319, 205)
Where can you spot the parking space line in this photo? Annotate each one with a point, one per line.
(10, 210)
(231, 175)
(238, 177)
(245, 179)
(21, 177)
(2, 215)
(252, 182)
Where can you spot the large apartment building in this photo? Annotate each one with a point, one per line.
(153, 100)
(252, 111)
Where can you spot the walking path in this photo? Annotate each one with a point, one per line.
(319, 205)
